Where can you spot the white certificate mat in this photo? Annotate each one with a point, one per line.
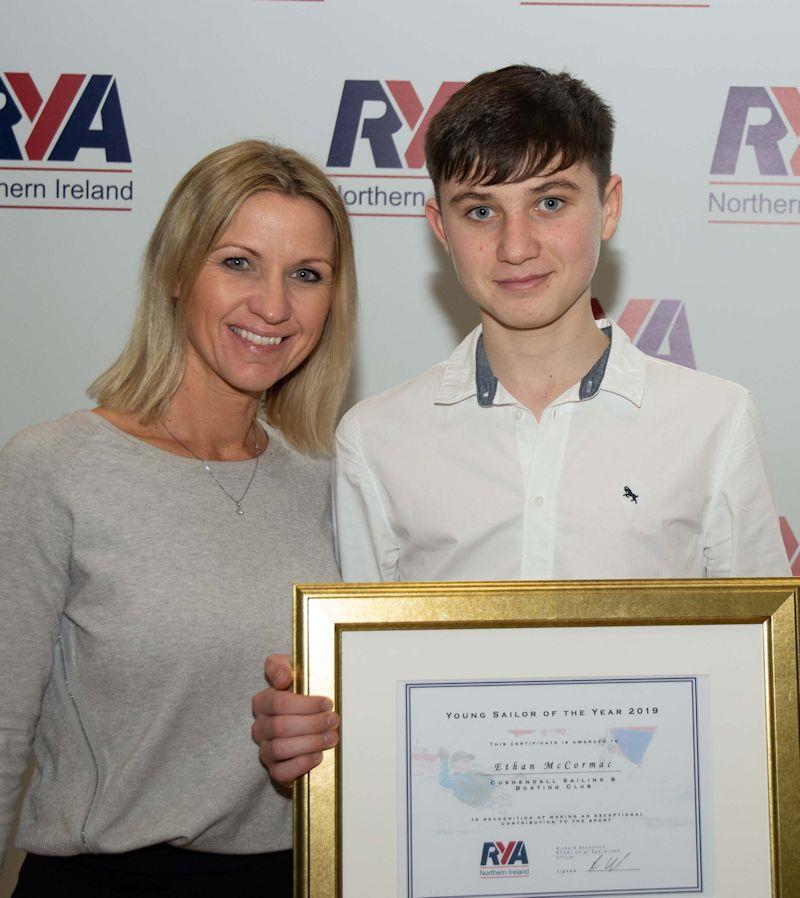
(590, 787)
(729, 658)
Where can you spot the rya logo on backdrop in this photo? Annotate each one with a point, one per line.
(59, 127)
(375, 112)
(658, 327)
(755, 123)
(379, 141)
(758, 142)
(504, 859)
(792, 547)
(76, 121)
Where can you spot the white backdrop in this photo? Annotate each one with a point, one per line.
(713, 253)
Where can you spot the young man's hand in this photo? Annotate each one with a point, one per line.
(291, 730)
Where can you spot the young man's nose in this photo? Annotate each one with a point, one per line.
(519, 240)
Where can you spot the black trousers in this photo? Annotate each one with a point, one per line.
(160, 870)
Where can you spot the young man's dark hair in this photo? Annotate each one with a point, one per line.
(520, 121)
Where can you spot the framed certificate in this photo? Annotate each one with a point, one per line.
(540, 740)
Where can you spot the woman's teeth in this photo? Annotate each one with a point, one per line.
(255, 338)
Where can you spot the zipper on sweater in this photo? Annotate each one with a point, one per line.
(88, 743)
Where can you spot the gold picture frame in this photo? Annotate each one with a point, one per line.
(325, 613)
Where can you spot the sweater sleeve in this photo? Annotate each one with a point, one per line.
(35, 549)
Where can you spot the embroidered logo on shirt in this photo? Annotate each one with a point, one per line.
(628, 493)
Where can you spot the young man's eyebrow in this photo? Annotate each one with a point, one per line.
(555, 184)
(471, 196)
(479, 196)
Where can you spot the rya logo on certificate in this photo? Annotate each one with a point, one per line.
(504, 859)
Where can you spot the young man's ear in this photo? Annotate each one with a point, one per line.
(434, 215)
(612, 206)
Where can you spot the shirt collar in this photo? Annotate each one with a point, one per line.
(458, 380)
(620, 370)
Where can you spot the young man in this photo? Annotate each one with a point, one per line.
(547, 446)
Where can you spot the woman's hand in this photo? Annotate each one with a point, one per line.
(291, 730)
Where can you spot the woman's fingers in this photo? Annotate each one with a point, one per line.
(291, 730)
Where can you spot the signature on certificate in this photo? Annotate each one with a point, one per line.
(607, 862)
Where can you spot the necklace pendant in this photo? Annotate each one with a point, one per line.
(205, 464)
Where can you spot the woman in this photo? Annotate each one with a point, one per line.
(150, 546)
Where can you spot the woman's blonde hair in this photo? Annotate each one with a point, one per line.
(305, 404)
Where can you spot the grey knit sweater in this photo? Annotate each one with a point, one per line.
(136, 610)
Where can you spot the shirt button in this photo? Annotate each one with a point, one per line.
(519, 414)
(539, 500)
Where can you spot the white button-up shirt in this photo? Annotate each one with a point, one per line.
(657, 473)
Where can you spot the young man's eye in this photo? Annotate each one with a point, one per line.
(236, 263)
(480, 213)
(306, 274)
(550, 204)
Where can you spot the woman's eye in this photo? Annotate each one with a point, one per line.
(236, 263)
(480, 213)
(306, 274)
(550, 204)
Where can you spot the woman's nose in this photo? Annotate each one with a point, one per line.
(271, 301)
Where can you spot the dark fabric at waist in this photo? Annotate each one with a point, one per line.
(158, 870)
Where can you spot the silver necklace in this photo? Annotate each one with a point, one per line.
(236, 502)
